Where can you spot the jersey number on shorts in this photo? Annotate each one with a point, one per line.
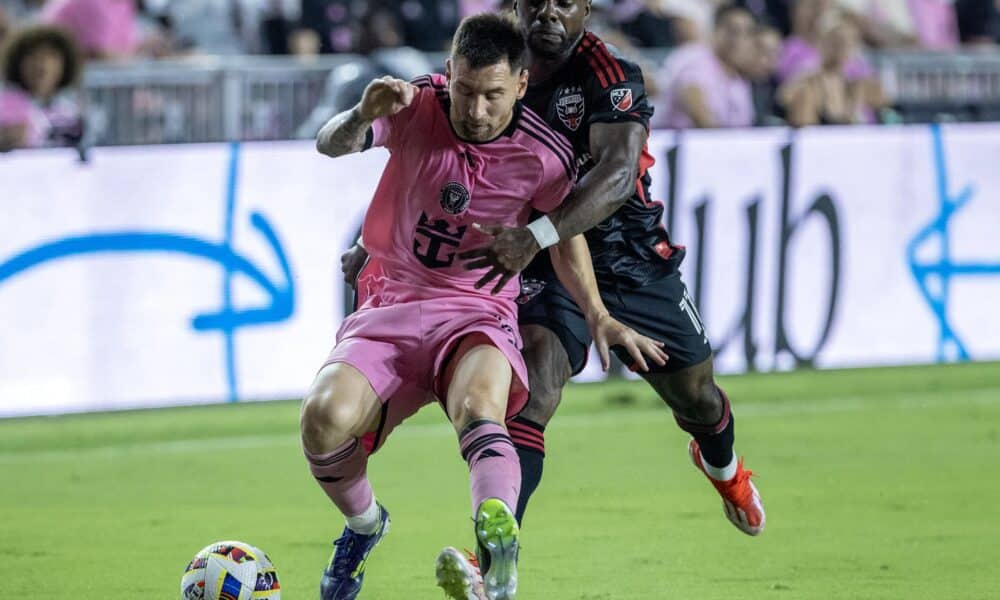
(687, 306)
(435, 242)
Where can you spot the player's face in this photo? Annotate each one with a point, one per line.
(482, 100)
(41, 70)
(552, 27)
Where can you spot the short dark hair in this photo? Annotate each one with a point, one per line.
(21, 43)
(487, 39)
(731, 9)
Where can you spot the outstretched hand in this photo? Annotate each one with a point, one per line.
(608, 332)
(507, 254)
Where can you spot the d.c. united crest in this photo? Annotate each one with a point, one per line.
(454, 198)
(621, 99)
(570, 107)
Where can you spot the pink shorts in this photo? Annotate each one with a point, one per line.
(401, 340)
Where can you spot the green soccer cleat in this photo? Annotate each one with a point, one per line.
(497, 535)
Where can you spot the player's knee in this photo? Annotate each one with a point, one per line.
(543, 400)
(328, 417)
(700, 400)
(481, 399)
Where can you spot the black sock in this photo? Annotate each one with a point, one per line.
(529, 441)
(716, 448)
(531, 475)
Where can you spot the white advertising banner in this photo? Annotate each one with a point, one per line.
(184, 274)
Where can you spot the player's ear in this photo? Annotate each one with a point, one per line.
(522, 83)
(447, 69)
(586, 8)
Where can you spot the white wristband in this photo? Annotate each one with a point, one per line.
(544, 231)
(361, 242)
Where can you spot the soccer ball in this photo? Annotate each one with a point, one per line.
(230, 571)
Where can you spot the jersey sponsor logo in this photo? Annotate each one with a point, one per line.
(621, 99)
(435, 242)
(454, 198)
(570, 106)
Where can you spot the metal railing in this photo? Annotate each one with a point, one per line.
(271, 98)
(260, 98)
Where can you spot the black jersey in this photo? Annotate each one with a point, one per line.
(596, 86)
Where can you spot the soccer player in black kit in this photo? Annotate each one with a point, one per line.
(598, 101)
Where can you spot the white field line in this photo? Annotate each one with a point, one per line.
(642, 415)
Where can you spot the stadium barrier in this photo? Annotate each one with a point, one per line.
(212, 99)
(185, 274)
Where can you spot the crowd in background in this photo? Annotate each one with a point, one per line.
(732, 63)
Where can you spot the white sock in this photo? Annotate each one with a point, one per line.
(724, 474)
(367, 522)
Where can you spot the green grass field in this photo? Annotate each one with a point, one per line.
(878, 484)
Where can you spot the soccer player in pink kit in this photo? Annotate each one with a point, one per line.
(463, 151)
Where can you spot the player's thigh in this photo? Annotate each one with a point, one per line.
(662, 310)
(477, 382)
(549, 369)
(340, 399)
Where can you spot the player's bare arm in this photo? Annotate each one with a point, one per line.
(616, 149)
(575, 269)
(346, 132)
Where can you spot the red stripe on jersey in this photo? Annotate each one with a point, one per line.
(646, 161)
(611, 66)
(604, 74)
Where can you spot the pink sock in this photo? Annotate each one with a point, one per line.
(343, 476)
(494, 470)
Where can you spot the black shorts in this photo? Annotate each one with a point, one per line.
(661, 309)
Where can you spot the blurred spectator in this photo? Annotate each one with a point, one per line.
(692, 19)
(380, 28)
(978, 21)
(472, 7)
(21, 11)
(929, 24)
(231, 27)
(644, 22)
(773, 13)
(935, 23)
(705, 85)
(6, 23)
(427, 25)
(763, 81)
(826, 96)
(800, 53)
(41, 67)
(104, 29)
(334, 22)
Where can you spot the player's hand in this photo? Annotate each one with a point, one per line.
(510, 251)
(384, 97)
(608, 332)
(351, 263)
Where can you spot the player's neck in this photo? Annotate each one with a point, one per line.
(542, 68)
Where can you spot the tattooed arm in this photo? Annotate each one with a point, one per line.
(346, 132)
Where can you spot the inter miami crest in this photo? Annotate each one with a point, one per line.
(570, 107)
(621, 99)
(454, 198)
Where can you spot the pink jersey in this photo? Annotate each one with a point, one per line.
(435, 186)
